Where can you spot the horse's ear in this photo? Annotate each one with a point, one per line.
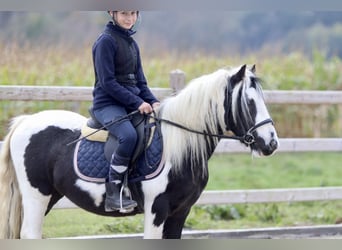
(239, 75)
(253, 69)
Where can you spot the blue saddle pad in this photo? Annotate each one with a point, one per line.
(90, 163)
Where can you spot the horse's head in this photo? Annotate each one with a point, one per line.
(246, 114)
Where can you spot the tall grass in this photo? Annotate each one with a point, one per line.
(62, 65)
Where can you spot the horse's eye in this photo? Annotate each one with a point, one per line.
(251, 103)
(253, 83)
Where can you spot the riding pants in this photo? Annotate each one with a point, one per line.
(123, 131)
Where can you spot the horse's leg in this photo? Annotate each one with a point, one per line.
(165, 206)
(173, 225)
(156, 205)
(34, 208)
(161, 223)
(151, 231)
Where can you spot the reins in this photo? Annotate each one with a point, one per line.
(248, 138)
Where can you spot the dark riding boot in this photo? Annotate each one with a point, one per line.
(115, 196)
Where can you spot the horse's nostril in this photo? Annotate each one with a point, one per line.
(274, 144)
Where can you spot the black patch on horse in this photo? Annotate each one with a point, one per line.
(39, 165)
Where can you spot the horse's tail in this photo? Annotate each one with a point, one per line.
(10, 196)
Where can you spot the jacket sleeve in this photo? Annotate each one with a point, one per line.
(104, 54)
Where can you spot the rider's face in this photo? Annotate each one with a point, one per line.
(126, 19)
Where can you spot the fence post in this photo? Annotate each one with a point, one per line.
(177, 80)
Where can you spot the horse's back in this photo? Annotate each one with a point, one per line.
(41, 135)
(34, 124)
(60, 118)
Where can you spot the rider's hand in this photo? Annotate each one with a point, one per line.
(155, 105)
(145, 108)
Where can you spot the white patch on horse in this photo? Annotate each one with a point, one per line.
(152, 188)
(261, 113)
(59, 118)
(94, 190)
(34, 202)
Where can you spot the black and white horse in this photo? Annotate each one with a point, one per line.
(36, 166)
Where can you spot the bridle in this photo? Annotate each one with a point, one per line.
(248, 138)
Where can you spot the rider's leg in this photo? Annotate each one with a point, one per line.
(127, 138)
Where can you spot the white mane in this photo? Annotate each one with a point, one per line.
(199, 106)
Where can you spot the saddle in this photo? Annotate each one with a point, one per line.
(139, 122)
(94, 151)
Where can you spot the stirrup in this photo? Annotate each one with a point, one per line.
(124, 188)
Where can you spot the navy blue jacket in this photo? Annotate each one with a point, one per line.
(107, 89)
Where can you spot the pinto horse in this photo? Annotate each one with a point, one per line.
(36, 165)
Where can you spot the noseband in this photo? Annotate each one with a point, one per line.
(249, 138)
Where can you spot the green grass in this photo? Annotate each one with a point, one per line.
(231, 172)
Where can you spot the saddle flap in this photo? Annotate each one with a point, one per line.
(138, 120)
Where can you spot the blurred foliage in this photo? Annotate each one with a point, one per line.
(230, 32)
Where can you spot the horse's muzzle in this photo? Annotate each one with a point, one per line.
(271, 147)
(260, 148)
